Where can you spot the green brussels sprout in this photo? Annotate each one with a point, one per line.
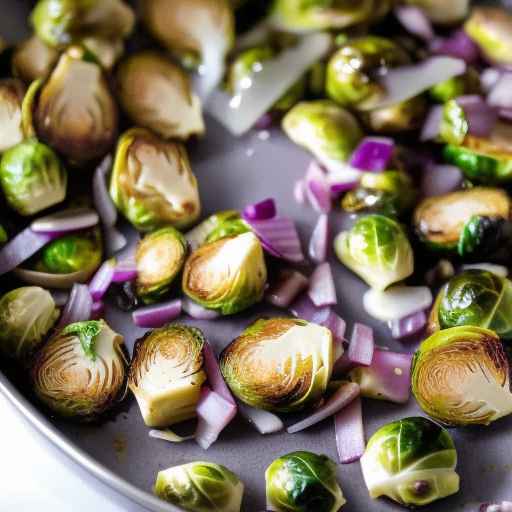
(377, 250)
(441, 222)
(75, 112)
(325, 129)
(71, 253)
(442, 12)
(12, 92)
(166, 374)
(303, 482)
(33, 59)
(412, 461)
(483, 160)
(279, 364)
(143, 80)
(81, 372)
(152, 183)
(32, 177)
(3, 235)
(160, 256)
(454, 125)
(228, 275)
(228, 228)
(491, 29)
(62, 22)
(213, 227)
(26, 316)
(388, 193)
(245, 68)
(200, 487)
(351, 70)
(475, 297)
(461, 376)
(466, 84)
(309, 15)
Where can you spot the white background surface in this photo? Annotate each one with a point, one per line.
(35, 476)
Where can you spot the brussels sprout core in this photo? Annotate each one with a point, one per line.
(80, 373)
(166, 374)
(26, 316)
(280, 365)
(411, 461)
(228, 275)
(11, 98)
(461, 376)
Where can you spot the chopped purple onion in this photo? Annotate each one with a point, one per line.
(458, 45)
(263, 210)
(336, 325)
(481, 117)
(319, 242)
(78, 307)
(438, 180)
(215, 378)
(349, 428)
(158, 315)
(102, 280)
(322, 290)
(362, 345)
(194, 310)
(304, 309)
(264, 122)
(500, 95)
(263, 421)
(318, 193)
(432, 125)
(66, 221)
(504, 506)
(489, 78)
(124, 271)
(299, 192)
(288, 285)
(373, 154)
(408, 326)
(415, 21)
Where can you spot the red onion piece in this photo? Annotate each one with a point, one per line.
(319, 242)
(286, 288)
(101, 197)
(318, 193)
(158, 315)
(336, 325)
(114, 240)
(408, 326)
(263, 421)
(97, 310)
(373, 154)
(501, 94)
(102, 280)
(504, 506)
(458, 45)
(124, 271)
(299, 192)
(481, 117)
(489, 78)
(432, 125)
(78, 307)
(66, 221)
(415, 21)
(214, 413)
(348, 424)
(438, 180)
(304, 309)
(279, 237)
(362, 345)
(321, 286)
(336, 402)
(264, 122)
(215, 378)
(263, 210)
(196, 311)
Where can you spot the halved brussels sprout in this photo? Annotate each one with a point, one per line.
(200, 487)
(280, 364)
(160, 256)
(81, 372)
(476, 297)
(12, 92)
(152, 183)
(228, 275)
(353, 69)
(71, 253)
(32, 177)
(389, 193)
(33, 59)
(484, 160)
(62, 22)
(166, 374)
(228, 228)
(491, 29)
(76, 113)
(26, 316)
(411, 461)
(461, 376)
(157, 94)
(303, 481)
(203, 231)
(325, 129)
(377, 250)
(442, 12)
(441, 221)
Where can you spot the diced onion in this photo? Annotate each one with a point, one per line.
(319, 242)
(78, 307)
(196, 311)
(157, 316)
(322, 290)
(438, 180)
(102, 280)
(501, 94)
(432, 125)
(289, 284)
(263, 210)
(349, 428)
(373, 154)
(408, 326)
(169, 436)
(480, 116)
(415, 21)
(304, 309)
(215, 378)
(458, 45)
(66, 221)
(263, 421)
(362, 345)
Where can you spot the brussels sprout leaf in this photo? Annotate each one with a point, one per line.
(87, 333)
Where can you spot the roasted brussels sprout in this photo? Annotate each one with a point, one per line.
(144, 79)
(200, 487)
(81, 372)
(160, 257)
(228, 275)
(352, 70)
(166, 374)
(11, 98)
(491, 29)
(303, 482)
(461, 376)
(33, 59)
(71, 253)
(411, 461)
(152, 183)
(444, 13)
(75, 113)
(377, 250)
(389, 193)
(32, 177)
(476, 297)
(212, 227)
(325, 129)
(62, 22)
(280, 364)
(26, 317)
(452, 220)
